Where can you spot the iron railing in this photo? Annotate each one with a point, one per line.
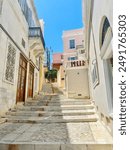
(36, 32)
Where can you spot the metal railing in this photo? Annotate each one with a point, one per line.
(36, 32)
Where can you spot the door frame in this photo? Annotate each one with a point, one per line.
(32, 67)
(25, 82)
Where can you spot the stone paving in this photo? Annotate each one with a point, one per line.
(52, 122)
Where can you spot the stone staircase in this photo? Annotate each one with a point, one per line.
(55, 110)
(52, 122)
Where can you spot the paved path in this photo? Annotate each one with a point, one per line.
(53, 119)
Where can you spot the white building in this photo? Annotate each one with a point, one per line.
(21, 48)
(98, 28)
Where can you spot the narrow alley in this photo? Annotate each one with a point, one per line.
(51, 121)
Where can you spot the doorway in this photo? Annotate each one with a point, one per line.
(30, 81)
(21, 80)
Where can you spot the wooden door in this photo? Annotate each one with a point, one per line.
(30, 81)
(21, 80)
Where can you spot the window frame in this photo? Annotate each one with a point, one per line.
(27, 12)
(71, 58)
(72, 44)
(104, 26)
(94, 74)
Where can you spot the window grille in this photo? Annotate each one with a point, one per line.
(10, 64)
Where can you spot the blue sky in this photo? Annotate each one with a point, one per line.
(59, 15)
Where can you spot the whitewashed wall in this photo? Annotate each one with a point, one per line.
(77, 83)
(13, 21)
(100, 92)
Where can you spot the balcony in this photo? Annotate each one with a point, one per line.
(36, 32)
(36, 41)
(76, 64)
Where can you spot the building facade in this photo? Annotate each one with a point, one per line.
(98, 28)
(57, 60)
(58, 65)
(22, 47)
(75, 64)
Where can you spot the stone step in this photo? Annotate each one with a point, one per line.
(36, 103)
(27, 108)
(46, 113)
(58, 99)
(54, 108)
(53, 119)
(69, 107)
(56, 103)
(68, 103)
(2, 120)
(37, 100)
(70, 100)
(74, 106)
(54, 146)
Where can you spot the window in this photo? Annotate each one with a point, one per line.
(106, 25)
(23, 5)
(23, 43)
(82, 51)
(36, 77)
(27, 12)
(29, 18)
(72, 44)
(95, 77)
(110, 65)
(72, 58)
(69, 58)
(62, 57)
(10, 64)
(94, 74)
(37, 62)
